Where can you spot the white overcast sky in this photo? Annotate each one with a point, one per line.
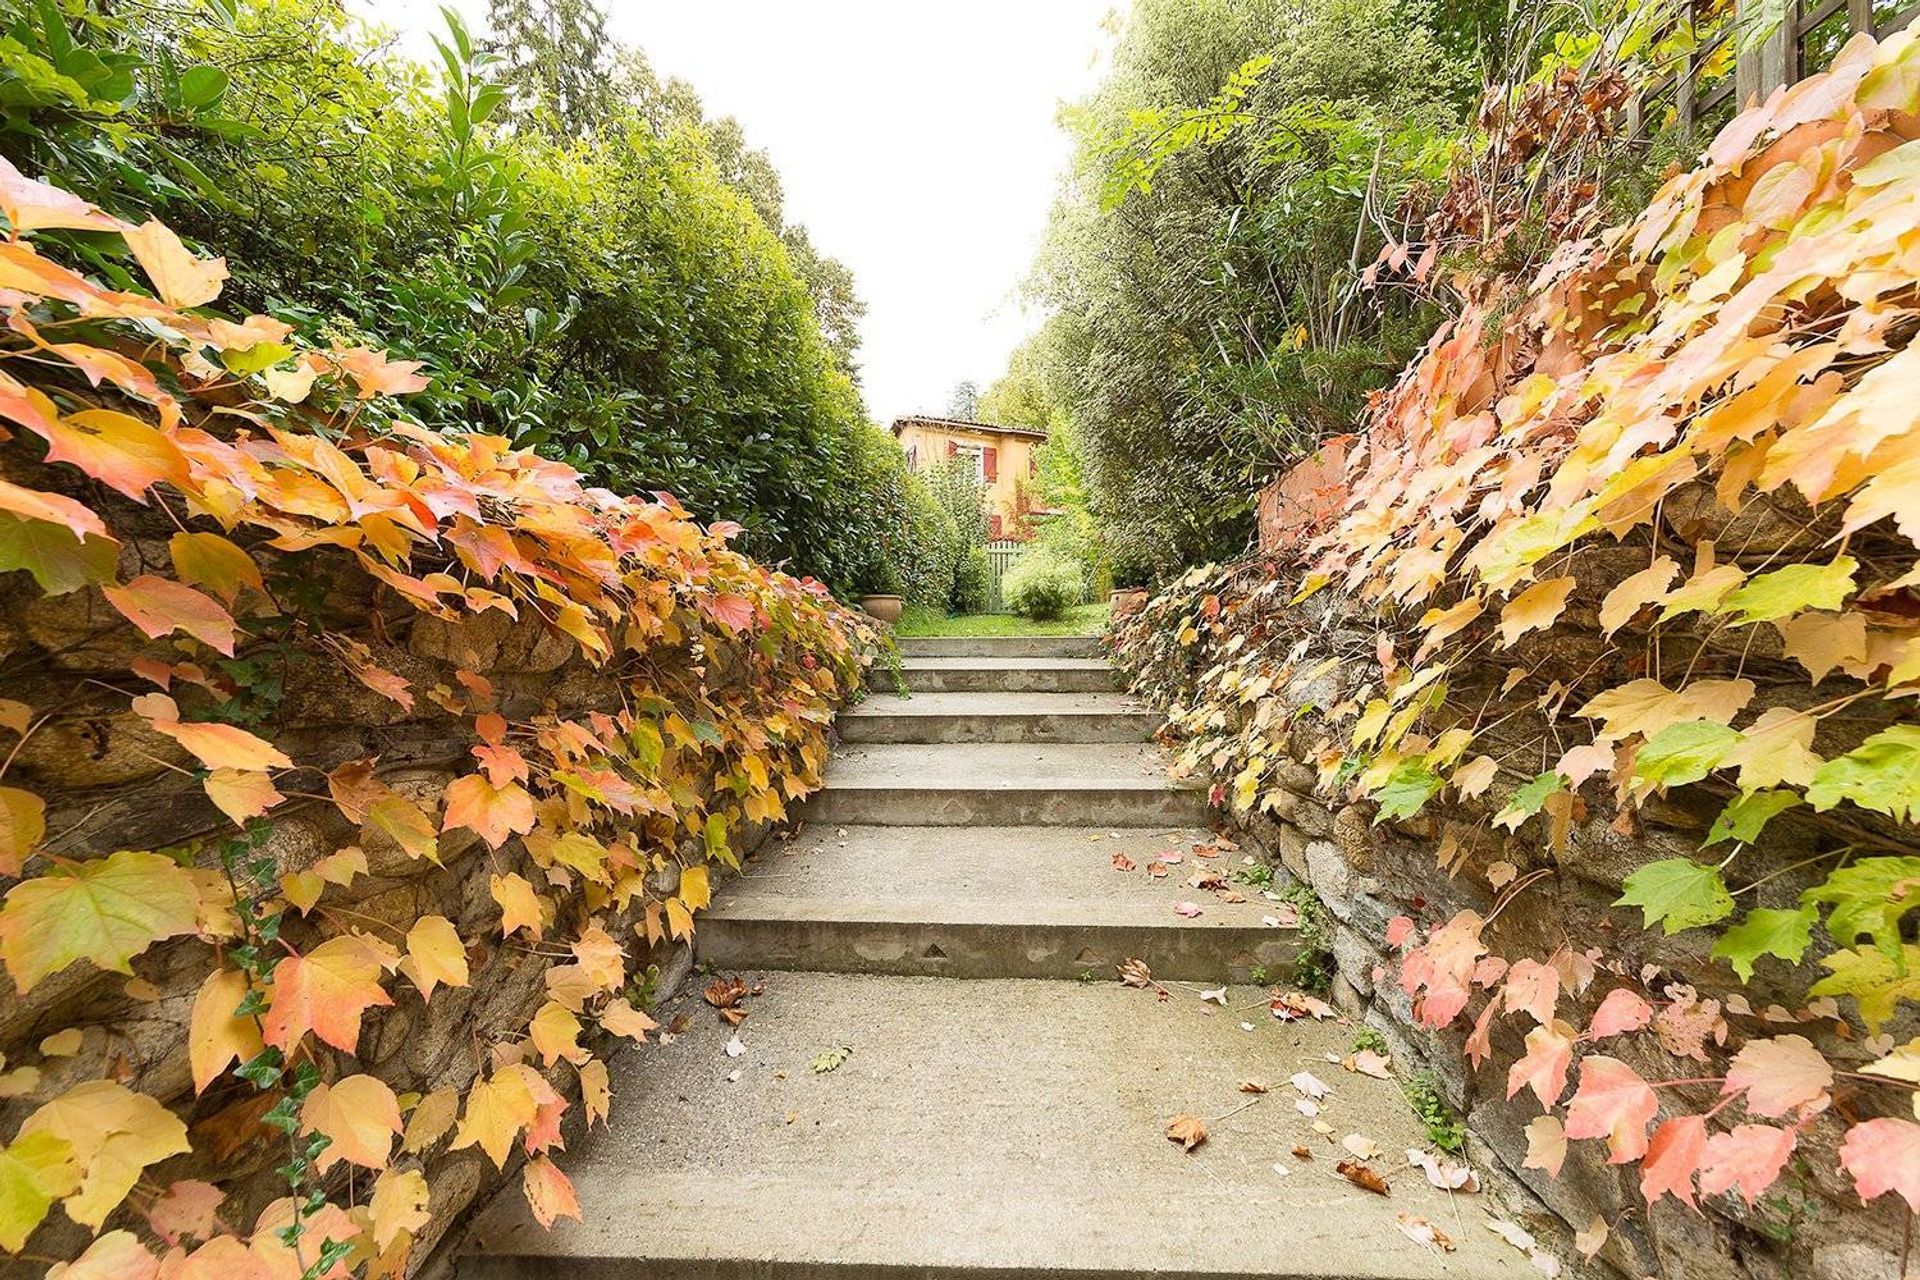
(916, 141)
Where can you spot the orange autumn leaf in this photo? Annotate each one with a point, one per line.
(23, 824)
(519, 905)
(549, 1192)
(324, 991)
(119, 451)
(161, 606)
(218, 746)
(52, 508)
(499, 1107)
(241, 794)
(496, 813)
(1614, 1103)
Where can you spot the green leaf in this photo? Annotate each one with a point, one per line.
(1529, 800)
(1677, 893)
(1743, 818)
(1869, 897)
(1407, 788)
(1684, 752)
(1876, 982)
(717, 841)
(1766, 931)
(1881, 774)
(201, 86)
(1787, 591)
(59, 559)
(832, 1060)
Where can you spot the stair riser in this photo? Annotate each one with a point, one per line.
(1080, 807)
(1093, 727)
(473, 1267)
(949, 950)
(1012, 680)
(1001, 647)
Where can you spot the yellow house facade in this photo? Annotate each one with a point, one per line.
(1003, 457)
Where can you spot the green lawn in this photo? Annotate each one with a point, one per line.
(1086, 620)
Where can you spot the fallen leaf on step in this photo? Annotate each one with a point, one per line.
(1134, 973)
(1368, 1063)
(1361, 1176)
(734, 1016)
(1187, 909)
(1207, 878)
(1360, 1146)
(1232, 895)
(1303, 1153)
(1169, 855)
(1121, 862)
(1282, 1170)
(831, 1060)
(1306, 1106)
(1310, 1085)
(1289, 1005)
(1253, 1086)
(1206, 851)
(1421, 1231)
(725, 993)
(1158, 870)
(1188, 1131)
(1218, 995)
(1444, 1174)
(1322, 1128)
(734, 1047)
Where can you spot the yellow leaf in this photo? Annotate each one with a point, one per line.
(694, 889)
(1538, 606)
(218, 746)
(241, 794)
(180, 279)
(434, 955)
(594, 1090)
(215, 1037)
(1636, 592)
(679, 919)
(62, 1044)
(107, 910)
(519, 905)
(430, 1119)
(115, 1133)
(23, 825)
(623, 1019)
(499, 1107)
(360, 1115)
(403, 823)
(301, 889)
(34, 1172)
(555, 1032)
(399, 1205)
(211, 561)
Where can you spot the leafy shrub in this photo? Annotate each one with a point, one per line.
(1042, 585)
(972, 582)
(929, 550)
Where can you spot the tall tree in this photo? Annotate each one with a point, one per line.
(558, 58)
(965, 400)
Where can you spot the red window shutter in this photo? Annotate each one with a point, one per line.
(993, 523)
(990, 464)
(953, 447)
(1033, 463)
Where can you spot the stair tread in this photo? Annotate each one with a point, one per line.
(1014, 876)
(1002, 766)
(1000, 704)
(992, 1125)
(915, 662)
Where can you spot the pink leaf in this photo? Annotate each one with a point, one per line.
(1780, 1075)
(1544, 1068)
(1614, 1103)
(1748, 1158)
(1884, 1155)
(1620, 1012)
(1673, 1158)
(1533, 988)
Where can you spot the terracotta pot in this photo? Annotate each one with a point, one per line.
(886, 608)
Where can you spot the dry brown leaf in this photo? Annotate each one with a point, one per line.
(1121, 862)
(725, 993)
(1253, 1086)
(1362, 1176)
(1303, 1153)
(1134, 973)
(1187, 1130)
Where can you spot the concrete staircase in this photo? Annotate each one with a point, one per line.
(1008, 1125)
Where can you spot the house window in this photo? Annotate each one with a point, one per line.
(913, 457)
(972, 455)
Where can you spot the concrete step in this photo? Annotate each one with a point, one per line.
(998, 717)
(991, 902)
(1000, 646)
(986, 1130)
(1005, 784)
(1009, 675)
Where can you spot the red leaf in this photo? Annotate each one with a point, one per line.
(1673, 1158)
